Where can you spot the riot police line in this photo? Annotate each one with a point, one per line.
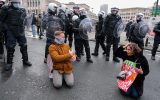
(109, 27)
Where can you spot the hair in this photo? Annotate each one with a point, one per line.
(58, 33)
(135, 48)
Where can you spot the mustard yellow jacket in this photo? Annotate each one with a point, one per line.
(61, 58)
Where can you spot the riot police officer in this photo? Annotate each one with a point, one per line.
(99, 36)
(156, 40)
(2, 2)
(13, 16)
(51, 23)
(112, 37)
(127, 29)
(69, 26)
(82, 25)
(138, 31)
(62, 15)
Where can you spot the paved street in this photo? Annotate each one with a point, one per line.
(95, 81)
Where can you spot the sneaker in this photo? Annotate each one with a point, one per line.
(45, 60)
(90, 60)
(40, 38)
(27, 63)
(115, 59)
(104, 53)
(153, 58)
(107, 58)
(94, 54)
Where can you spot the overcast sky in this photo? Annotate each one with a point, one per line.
(95, 4)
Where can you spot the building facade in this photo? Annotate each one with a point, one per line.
(130, 13)
(40, 6)
(37, 6)
(72, 5)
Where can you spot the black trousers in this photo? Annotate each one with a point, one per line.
(1, 44)
(155, 45)
(39, 31)
(70, 38)
(99, 41)
(111, 41)
(79, 43)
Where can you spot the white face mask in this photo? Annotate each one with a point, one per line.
(59, 40)
(17, 5)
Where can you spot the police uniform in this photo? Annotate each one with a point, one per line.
(69, 30)
(51, 23)
(2, 31)
(111, 38)
(156, 40)
(100, 37)
(13, 20)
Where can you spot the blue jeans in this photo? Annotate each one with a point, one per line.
(132, 92)
(34, 30)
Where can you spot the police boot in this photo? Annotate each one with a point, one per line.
(40, 37)
(153, 58)
(107, 58)
(89, 60)
(23, 50)
(1, 56)
(104, 53)
(115, 59)
(1, 51)
(10, 52)
(95, 54)
(107, 53)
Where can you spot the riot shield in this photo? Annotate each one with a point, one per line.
(143, 29)
(85, 26)
(118, 29)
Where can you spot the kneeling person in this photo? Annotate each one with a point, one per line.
(62, 56)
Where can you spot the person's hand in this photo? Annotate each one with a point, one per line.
(125, 44)
(73, 58)
(139, 70)
(71, 53)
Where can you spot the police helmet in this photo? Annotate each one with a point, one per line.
(114, 9)
(69, 12)
(63, 7)
(83, 12)
(52, 7)
(140, 15)
(101, 13)
(75, 17)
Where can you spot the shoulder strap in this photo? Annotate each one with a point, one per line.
(136, 60)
